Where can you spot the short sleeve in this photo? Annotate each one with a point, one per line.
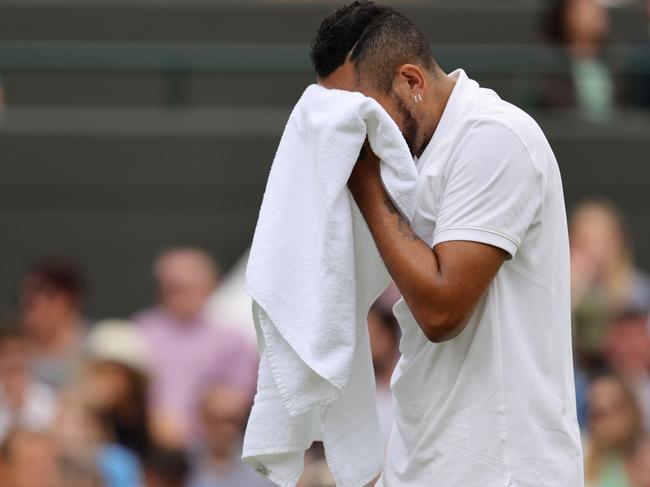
(491, 192)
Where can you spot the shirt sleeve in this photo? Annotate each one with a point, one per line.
(492, 190)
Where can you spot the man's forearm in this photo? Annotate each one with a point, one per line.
(441, 286)
(412, 264)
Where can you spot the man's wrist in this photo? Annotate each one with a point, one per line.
(367, 191)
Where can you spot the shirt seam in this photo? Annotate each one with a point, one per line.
(436, 233)
(501, 392)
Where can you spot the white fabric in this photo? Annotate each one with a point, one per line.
(37, 412)
(313, 273)
(494, 406)
(230, 304)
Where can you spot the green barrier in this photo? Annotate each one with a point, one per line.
(279, 57)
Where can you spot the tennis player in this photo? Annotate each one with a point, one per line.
(484, 389)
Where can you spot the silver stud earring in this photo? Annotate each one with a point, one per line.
(418, 97)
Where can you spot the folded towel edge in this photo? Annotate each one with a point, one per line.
(287, 399)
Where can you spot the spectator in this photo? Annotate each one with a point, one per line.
(384, 332)
(115, 383)
(166, 468)
(189, 351)
(581, 29)
(86, 444)
(614, 428)
(24, 402)
(604, 280)
(628, 353)
(30, 460)
(223, 412)
(51, 297)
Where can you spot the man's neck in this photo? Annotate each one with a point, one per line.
(437, 97)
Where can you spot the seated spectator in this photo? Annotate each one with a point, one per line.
(581, 29)
(223, 413)
(115, 382)
(188, 350)
(604, 280)
(628, 353)
(615, 427)
(86, 444)
(50, 302)
(166, 468)
(384, 332)
(29, 459)
(24, 402)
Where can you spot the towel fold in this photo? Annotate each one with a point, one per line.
(313, 273)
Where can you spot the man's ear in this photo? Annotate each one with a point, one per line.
(409, 81)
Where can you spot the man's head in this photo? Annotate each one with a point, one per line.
(51, 295)
(375, 50)
(223, 411)
(186, 278)
(627, 345)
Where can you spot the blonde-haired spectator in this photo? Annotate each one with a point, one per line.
(604, 279)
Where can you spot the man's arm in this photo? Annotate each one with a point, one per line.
(441, 286)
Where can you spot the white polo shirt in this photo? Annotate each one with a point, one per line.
(495, 406)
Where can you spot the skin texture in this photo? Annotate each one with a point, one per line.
(443, 285)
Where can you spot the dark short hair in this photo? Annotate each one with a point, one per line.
(58, 274)
(378, 40)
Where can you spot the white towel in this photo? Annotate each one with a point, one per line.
(313, 273)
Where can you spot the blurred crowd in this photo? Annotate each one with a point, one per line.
(610, 303)
(156, 400)
(161, 399)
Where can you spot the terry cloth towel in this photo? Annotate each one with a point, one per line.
(313, 273)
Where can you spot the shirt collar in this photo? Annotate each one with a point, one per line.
(453, 111)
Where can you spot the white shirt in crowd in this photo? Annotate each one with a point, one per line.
(495, 406)
(37, 413)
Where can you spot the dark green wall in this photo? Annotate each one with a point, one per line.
(97, 165)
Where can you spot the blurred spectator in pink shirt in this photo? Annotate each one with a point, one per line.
(188, 351)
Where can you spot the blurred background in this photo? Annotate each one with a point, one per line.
(135, 142)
